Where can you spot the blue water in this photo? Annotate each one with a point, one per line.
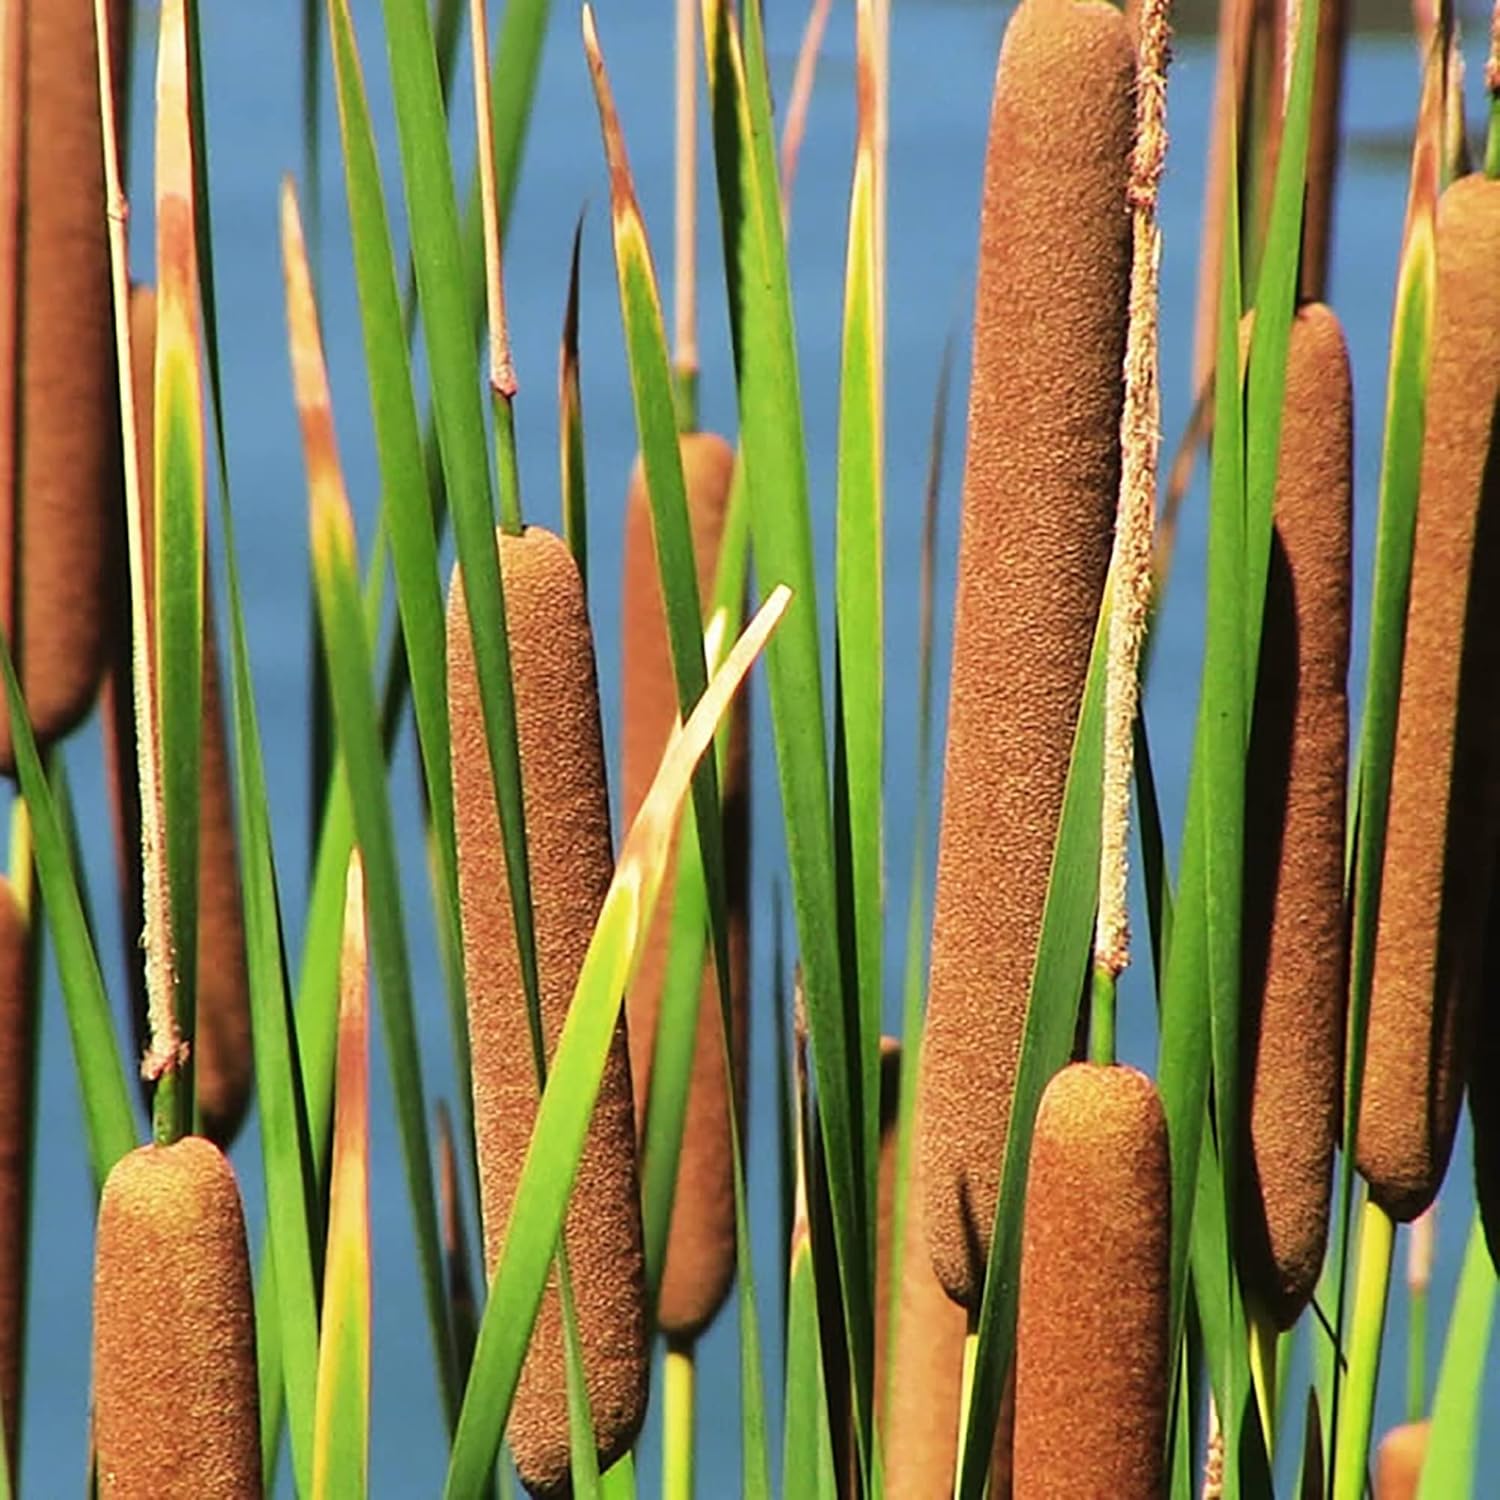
(943, 60)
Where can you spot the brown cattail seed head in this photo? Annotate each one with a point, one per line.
(1398, 1462)
(700, 1244)
(1039, 498)
(1091, 1333)
(17, 1019)
(176, 1404)
(223, 1054)
(1295, 950)
(1440, 828)
(568, 839)
(60, 468)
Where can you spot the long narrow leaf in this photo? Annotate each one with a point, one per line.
(341, 1455)
(347, 645)
(859, 575)
(773, 454)
(178, 467)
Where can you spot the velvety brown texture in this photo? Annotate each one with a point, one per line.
(1091, 1332)
(223, 1051)
(699, 1265)
(917, 1395)
(59, 529)
(17, 1019)
(568, 836)
(1040, 488)
(1398, 1462)
(1429, 940)
(176, 1404)
(1295, 937)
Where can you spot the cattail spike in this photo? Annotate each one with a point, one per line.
(1441, 825)
(176, 1403)
(568, 841)
(1091, 1331)
(1045, 403)
(1398, 1462)
(1295, 953)
(700, 1256)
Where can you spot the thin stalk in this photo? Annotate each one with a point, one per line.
(165, 1056)
(1102, 1016)
(1492, 85)
(502, 371)
(685, 249)
(1263, 1348)
(965, 1398)
(1419, 1251)
(678, 1398)
(1356, 1414)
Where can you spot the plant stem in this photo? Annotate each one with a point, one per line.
(1102, 1017)
(1263, 1374)
(1492, 85)
(685, 288)
(1372, 1282)
(966, 1396)
(677, 1402)
(502, 370)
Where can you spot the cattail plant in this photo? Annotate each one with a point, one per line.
(1091, 1334)
(60, 430)
(699, 1263)
(700, 1251)
(223, 1059)
(176, 1406)
(568, 839)
(1044, 421)
(1295, 953)
(1439, 834)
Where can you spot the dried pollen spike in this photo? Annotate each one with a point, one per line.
(1091, 1333)
(1442, 818)
(59, 530)
(223, 1053)
(571, 863)
(1044, 422)
(700, 1254)
(176, 1403)
(1295, 949)
(17, 1019)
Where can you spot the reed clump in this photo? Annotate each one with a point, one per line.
(1040, 488)
(223, 1054)
(1295, 953)
(571, 863)
(17, 1023)
(1399, 1460)
(176, 1404)
(699, 1266)
(1091, 1334)
(1439, 835)
(60, 434)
